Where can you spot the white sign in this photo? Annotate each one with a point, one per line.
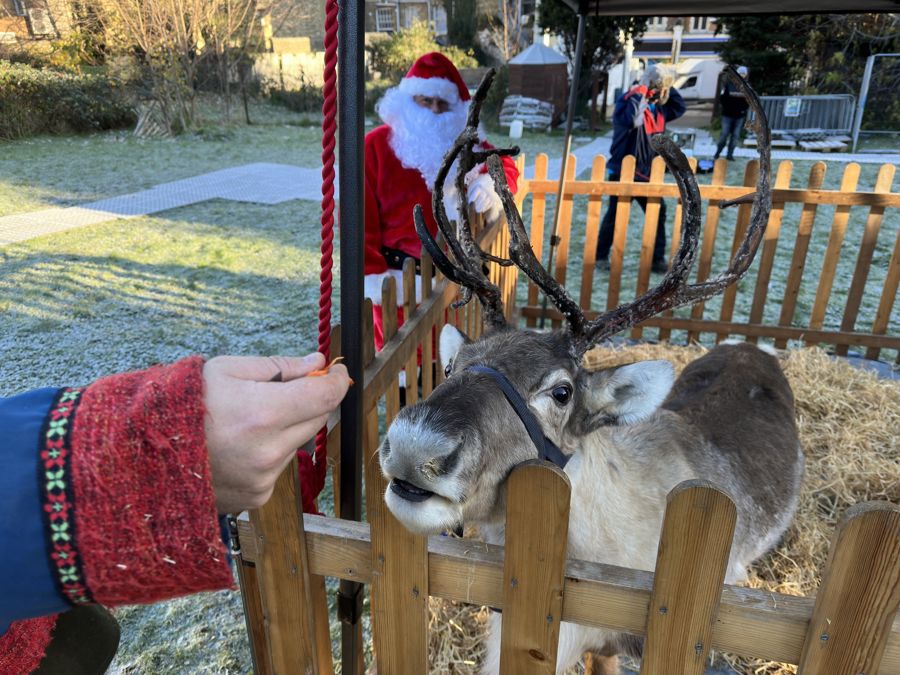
(792, 107)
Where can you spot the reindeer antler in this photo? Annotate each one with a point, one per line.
(673, 291)
(467, 272)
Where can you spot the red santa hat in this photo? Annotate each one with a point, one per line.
(435, 75)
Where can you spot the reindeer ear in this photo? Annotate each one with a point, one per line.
(452, 339)
(627, 394)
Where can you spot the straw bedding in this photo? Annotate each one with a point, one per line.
(849, 424)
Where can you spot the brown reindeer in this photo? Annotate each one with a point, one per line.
(626, 436)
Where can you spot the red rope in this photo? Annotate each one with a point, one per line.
(313, 470)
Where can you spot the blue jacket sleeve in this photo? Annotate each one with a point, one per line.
(626, 109)
(675, 106)
(27, 588)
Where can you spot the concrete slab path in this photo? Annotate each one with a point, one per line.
(584, 158)
(260, 183)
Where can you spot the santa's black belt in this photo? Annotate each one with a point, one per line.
(395, 258)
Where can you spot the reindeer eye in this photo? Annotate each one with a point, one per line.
(562, 394)
(447, 369)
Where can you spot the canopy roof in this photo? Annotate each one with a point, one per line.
(720, 7)
(538, 54)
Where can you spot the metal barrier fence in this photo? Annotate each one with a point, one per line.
(829, 113)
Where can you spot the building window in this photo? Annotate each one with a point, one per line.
(439, 19)
(19, 8)
(385, 18)
(699, 24)
(410, 14)
(657, 23)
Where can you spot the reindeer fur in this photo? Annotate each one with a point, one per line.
(632, 434)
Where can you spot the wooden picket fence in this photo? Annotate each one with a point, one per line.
(682, 608)
(867, 329)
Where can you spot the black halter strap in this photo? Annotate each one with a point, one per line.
(547, 449)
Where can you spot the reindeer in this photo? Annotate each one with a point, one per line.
(625, 436)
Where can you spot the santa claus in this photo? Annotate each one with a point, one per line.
(422, 117)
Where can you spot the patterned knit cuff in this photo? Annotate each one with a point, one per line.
(57, 494)
(127, 456)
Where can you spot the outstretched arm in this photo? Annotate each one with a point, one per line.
(114, 489)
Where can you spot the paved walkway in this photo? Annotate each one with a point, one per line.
(584, 159)
(259, 183)
(705, 147)
(264, 183)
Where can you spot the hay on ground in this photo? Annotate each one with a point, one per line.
(849, 424)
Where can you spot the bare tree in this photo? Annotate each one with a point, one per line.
(508, 32)
(229, 35)
(170, 37)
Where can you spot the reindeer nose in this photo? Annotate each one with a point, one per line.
(416, 453)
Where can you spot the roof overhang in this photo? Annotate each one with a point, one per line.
(720, 7)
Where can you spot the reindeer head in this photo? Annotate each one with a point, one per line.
(447, 458)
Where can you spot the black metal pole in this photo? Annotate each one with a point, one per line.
(351, 129)
(570, 115)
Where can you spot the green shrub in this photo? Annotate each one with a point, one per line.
(307, 98)
(36, 101)
(77, 50)
(393, 57)
(374, 91)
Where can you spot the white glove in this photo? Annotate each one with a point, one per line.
(639, 115)
(450, 200)
(483, 196)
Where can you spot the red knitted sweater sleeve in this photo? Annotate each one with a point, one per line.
(23, 645)
(145, 521)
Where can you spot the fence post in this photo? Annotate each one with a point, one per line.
(536, 231)
(254, 616)
(690, 568)
(742, 221)
(859, 595)
(399, 558)
(285, 583)
(537, 530)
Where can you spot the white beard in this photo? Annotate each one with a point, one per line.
(419, 137)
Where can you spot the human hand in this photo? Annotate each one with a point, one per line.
(254, 425)
(482, 195)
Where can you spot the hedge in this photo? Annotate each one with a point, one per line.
(36, 101)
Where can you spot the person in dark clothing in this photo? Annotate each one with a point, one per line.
(640, 113)
(734, 112)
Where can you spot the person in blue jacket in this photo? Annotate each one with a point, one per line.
(640, 113)
(112, 493)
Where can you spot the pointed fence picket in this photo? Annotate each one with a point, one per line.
(856, 608)
(807, 301)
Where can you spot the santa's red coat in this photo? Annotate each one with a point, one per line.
(392, 191)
